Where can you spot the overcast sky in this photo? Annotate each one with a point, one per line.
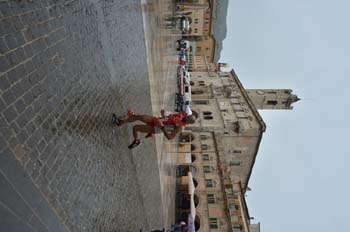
(300, 178)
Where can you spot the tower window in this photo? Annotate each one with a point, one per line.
(208, 117)
(273, 103)
(235, 163)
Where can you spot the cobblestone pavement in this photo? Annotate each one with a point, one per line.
(65, 66)
(162, 64)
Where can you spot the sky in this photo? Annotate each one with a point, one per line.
(300, 178)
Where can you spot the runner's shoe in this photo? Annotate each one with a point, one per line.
(134, 144)
(116, 120)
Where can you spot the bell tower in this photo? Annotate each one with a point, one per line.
(272, 99)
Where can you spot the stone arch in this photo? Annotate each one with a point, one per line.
(197, 223)
(193, 158)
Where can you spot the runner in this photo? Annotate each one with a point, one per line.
(169, 125)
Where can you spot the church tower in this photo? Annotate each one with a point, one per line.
(272, 99)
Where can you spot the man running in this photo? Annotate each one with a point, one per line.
(154, 125)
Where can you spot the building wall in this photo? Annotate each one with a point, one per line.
(272, 98)
(226, 138)
(205, 46)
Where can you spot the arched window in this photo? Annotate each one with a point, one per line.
(273, 103)
(193, 158)
(193, 147)
(196, 200)
(195, 182)
(197, 223)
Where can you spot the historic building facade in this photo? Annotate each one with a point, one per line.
(221, 147)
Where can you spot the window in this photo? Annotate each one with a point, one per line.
(204, 146)
(237, 228)
(235, 163)
(199, 49)
(236, 103)
(201, 102)
(237, 151)
(207, 169)
(206, 113)
(196, 21)
(233, 206)
(273, 103)
(213, 223)
(196, 30)
(208, 117)
(209, 183)
(211, 198)
(203, 137)
(205, 157)
(207, 49)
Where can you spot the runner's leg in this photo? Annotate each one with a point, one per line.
(141, 128)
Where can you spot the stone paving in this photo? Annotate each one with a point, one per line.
(65, 66)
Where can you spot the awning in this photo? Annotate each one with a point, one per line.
(193, 207)
(190, 184)
(192, 215)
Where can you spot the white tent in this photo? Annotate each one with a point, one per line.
(191, 217)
